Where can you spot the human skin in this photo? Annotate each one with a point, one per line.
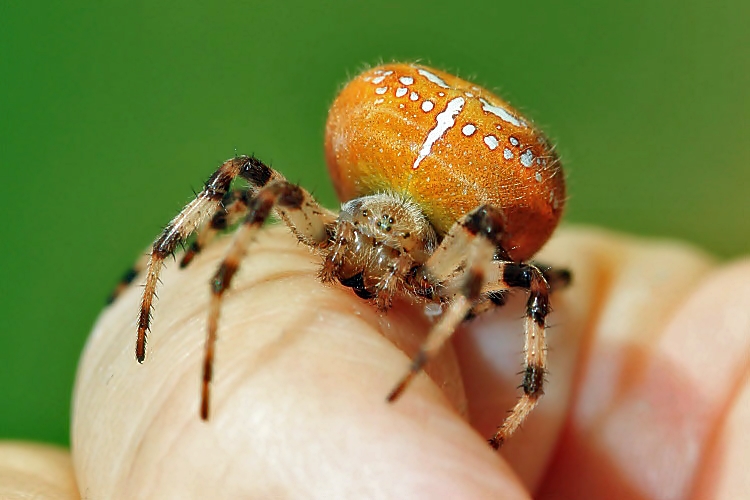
(648, 392)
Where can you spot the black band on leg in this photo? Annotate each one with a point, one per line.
(357, 284)
(533, 380)
(255, 172)
(517, 275)
(486, 221)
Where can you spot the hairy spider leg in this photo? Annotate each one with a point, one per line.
(192, 216)
(235, 207)
(480, 278)
(530, 278)
(305, 217)
(457, 275)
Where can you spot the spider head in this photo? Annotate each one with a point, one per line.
(392, 220)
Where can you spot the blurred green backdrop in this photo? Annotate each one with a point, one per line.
(111, 114)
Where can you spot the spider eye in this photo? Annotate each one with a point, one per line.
(365, 213)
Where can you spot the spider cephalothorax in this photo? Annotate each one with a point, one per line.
(447, 192)
(379, 240)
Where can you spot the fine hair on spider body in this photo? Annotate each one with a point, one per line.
(422, 221)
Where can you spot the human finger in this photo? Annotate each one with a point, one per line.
(32, 470)
(298, 408)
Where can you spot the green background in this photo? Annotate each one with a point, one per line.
(111, 114)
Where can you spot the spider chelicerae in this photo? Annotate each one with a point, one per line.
(447, 192)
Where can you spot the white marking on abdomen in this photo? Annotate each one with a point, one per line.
(444, 121)
(427, 106)
(433, 78)
(401, 92)
(468, 129)
(527, 158)
(491, 141)
(406, 80)
(502, 113)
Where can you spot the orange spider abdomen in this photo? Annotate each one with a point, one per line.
(450, 146)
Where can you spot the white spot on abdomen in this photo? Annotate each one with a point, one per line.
(491, 141)
(406, 80)
(427, 106)
(527, 158)
(381, 90)
(468, 129)
(401, 92)
(507, 154)
(414, 96)
(502, 113)
(433, 78)
(444, 121)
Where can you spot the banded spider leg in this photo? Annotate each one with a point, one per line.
(191, 217)
(231, 209)
(235, 207)
(471, 279)
(311, 223)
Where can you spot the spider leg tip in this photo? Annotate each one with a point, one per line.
(395, 393)
(496, 442)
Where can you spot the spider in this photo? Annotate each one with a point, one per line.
(447, 192)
